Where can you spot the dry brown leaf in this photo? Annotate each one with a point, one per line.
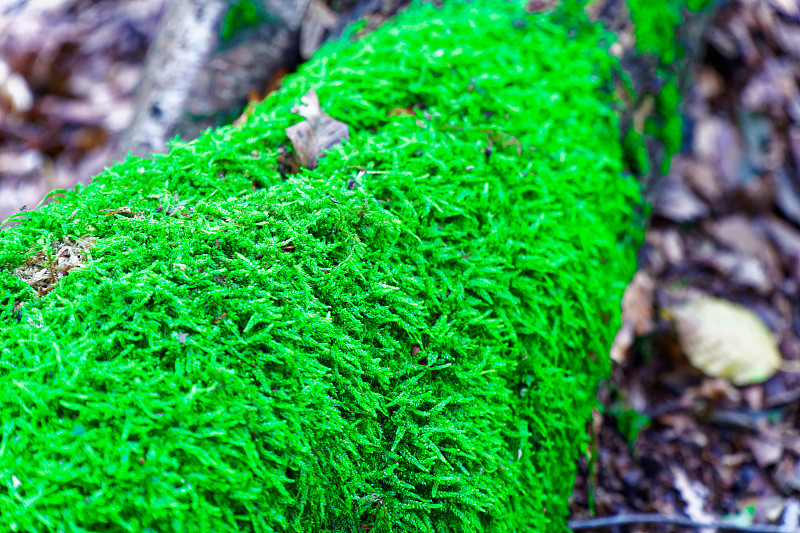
(637, 314)
(787, 7)
(738, 233)
(784, 235)
(622, 342)
(535, 6)
(318, 132)
(637, 302)
(702, 179)
(15, 93)
(679, 204)
(766, 451)
(399, 111)
(726, 340)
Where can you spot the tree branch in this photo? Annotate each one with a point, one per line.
(642, 518)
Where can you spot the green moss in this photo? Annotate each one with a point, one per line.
(655, 27)
(241, 15)
(656, 24)
(408, 337)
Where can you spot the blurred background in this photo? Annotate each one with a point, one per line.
(68, 73)
(70, 70)
(670, 439)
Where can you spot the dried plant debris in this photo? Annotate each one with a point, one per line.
(124, 211)
(637, 314)
(534, 6)
(53, 263)
(318, 132)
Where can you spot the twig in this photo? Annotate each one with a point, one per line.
(668, 519)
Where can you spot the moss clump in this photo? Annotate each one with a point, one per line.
(241, 15)
(656, 26)
(407, 338)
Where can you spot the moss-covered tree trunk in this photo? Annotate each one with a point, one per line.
(407, 338)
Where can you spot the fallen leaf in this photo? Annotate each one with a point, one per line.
(715, 390)
(737, 29)
(702, 179)
(785, 236)
(535, 6)
(794, 144)
(791, 515)
(787, 474)
(787, 36)
(15, 92)
(754, 397)
(726, 340)
(717, 143)
(679, 204)
(738, 233)
(637, 314)
(787, 198)
(787, 7)
(709, 83)
(672, 246)
(765, 451)
(622, 341)
(769, 509)
(318, 132)
(637, 302)
(741, 270)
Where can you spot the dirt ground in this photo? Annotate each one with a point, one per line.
(669, 440)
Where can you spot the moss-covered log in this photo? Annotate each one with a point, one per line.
(407, 338)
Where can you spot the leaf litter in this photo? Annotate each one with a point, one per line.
(726, 232)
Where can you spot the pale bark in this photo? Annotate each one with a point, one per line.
(192, 80)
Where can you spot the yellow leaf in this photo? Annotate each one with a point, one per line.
(726, 340)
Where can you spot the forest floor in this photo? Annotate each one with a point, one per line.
(668, 439)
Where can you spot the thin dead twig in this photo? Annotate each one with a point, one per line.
(654, 518)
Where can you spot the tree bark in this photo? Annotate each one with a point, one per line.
(193, 81)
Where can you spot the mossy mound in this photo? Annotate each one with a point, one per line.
(407, 338)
